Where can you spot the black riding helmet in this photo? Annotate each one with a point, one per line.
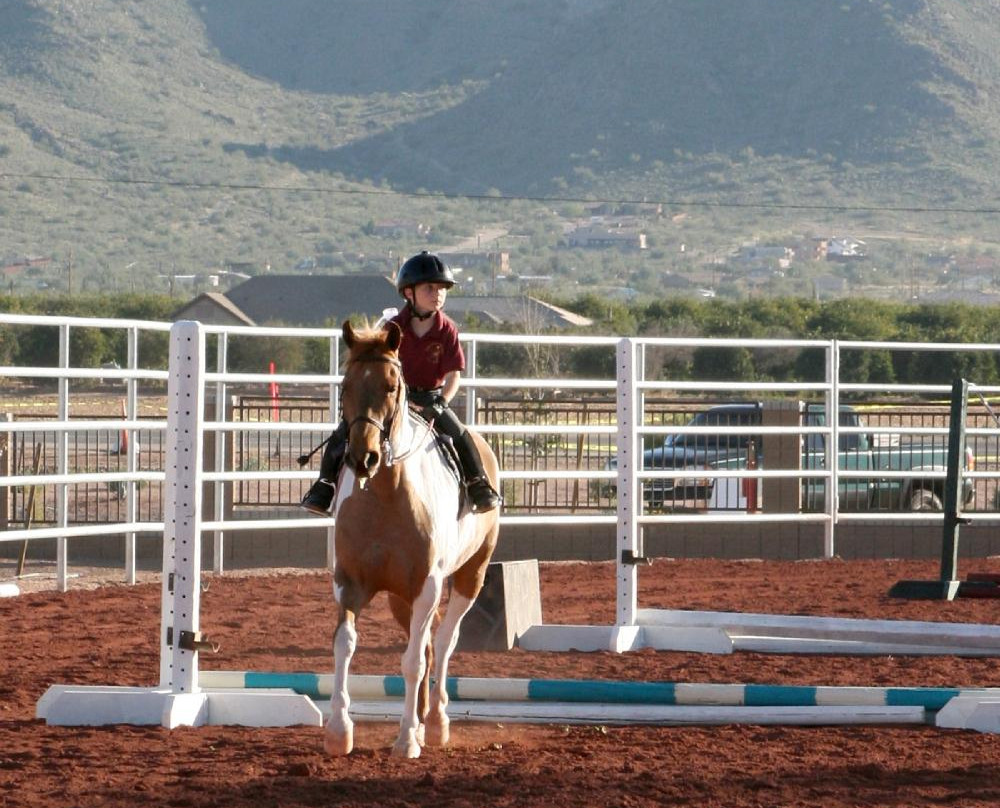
(424, 267)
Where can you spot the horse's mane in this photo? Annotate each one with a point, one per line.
(366, 332)
(369, 341)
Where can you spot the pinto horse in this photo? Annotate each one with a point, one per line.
(401, 528)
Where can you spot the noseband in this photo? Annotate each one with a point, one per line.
(383, 428)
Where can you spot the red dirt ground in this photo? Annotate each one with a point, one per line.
(283, 622)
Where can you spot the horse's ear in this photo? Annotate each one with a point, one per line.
(393, 336)
(348, 333)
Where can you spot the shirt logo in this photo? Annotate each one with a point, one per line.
(434, 351)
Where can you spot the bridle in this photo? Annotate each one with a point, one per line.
(385, 426)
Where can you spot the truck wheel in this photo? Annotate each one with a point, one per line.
(924, 499)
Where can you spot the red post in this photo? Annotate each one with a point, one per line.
(274, 394)
(750, 483)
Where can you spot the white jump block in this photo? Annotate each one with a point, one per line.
(77, 706)
(84, 706)
(508, 604)
(970, 712)
(9, 590)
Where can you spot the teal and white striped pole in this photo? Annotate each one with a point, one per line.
(318, 686)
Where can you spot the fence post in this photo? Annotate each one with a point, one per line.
(62, 462)
(222, 445)
(131, 446)
(832, 482)
(6, 463)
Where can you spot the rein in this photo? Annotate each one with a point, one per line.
(414, 445)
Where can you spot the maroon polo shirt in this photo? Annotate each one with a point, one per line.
(428, 359)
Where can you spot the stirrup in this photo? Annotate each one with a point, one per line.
(319, 497)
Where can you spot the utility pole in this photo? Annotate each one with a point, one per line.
(69, 273)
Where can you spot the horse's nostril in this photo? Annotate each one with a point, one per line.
(371, 460)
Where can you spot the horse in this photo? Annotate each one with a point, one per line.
(402, 527)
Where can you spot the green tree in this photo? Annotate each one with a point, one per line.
(723, 364)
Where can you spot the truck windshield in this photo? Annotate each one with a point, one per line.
(716, 418)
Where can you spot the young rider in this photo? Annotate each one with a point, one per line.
(433, 361)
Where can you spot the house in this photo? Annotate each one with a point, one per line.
(12, 266)
(497, 262)
(529, 312)
(600, 236)
(765, 253)
(313, 300)
(328, 300)
(213, 308)
(845, 248)
(295, 300)
(400, 229)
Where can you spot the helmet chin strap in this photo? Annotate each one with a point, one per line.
(417, 314)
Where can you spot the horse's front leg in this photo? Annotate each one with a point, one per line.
(437, 723)
(415, 666)
(339, 737)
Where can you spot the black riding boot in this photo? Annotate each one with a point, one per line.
(319, 497)
(484, 497)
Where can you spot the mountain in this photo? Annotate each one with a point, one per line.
(171, 135)
(621, 87)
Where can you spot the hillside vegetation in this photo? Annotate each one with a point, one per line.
(141, 139)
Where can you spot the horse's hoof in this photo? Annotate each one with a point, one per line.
(406, 748)
(338, 744)
(438, 733)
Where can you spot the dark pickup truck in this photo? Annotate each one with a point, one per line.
(857, 451)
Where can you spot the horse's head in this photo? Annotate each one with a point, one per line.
(373, 396)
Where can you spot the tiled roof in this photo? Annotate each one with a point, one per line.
(313, 300)
(328, 300)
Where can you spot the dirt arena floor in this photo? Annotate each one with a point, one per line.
(107, 634)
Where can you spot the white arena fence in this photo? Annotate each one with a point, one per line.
(183, 697)
(635, 383)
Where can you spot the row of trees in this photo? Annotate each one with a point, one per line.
(791, 318)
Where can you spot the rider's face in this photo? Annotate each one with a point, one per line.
(429, 296)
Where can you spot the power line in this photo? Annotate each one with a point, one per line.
(674, 203)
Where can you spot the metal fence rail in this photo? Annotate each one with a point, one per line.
(567, 455)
